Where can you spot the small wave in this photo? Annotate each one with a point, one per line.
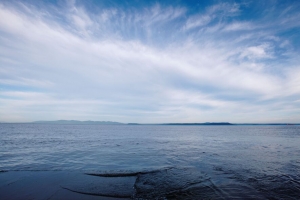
(124, 173)
(118, 187)
(260, 185)
(169, 183)
(117, 174)
(187, 183)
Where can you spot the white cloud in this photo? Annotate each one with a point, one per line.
(69, 73)
(292, 82)
(197, 21)
(226, 9)
(216, 11)
(239, 26)
(258, 52)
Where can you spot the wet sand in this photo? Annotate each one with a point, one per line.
(63, 185)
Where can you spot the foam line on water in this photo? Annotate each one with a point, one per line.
(124, 174)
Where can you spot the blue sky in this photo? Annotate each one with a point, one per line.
(150, 61)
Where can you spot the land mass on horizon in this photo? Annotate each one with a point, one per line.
(75, 122)
(179, 124)
(116, 123)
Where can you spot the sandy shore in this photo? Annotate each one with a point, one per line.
(63, 185)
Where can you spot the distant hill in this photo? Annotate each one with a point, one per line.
(75, 122)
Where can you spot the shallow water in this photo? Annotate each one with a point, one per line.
(166, 162)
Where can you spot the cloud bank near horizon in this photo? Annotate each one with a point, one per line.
(150, 62)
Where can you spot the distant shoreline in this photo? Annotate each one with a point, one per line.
(77, 122)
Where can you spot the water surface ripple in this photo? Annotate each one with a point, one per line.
(162, 162)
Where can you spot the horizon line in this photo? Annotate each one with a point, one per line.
(136, 123)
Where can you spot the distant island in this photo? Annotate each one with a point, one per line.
(206, 123)
(219, 124)
(118, 123)
(76, 122)
(191, 124)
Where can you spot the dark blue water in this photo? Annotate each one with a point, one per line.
(169, 162)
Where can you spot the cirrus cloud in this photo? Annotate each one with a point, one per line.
(155, 63)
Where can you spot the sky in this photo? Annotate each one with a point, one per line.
(150, 61)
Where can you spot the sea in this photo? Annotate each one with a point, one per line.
(165, 161)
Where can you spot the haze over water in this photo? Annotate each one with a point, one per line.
(184, 162)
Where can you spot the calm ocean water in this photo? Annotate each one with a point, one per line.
(181, 162)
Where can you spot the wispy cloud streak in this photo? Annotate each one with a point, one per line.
(157, 63)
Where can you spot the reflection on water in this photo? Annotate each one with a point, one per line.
(166, 162)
